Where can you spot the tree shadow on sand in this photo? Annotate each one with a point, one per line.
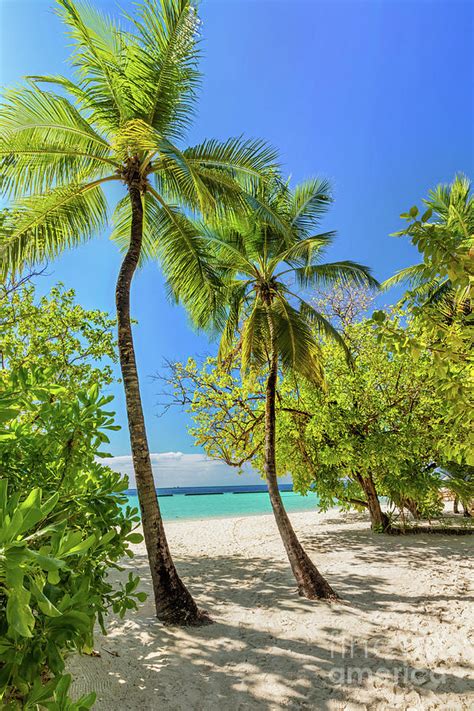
(369, 547)
(251, 660)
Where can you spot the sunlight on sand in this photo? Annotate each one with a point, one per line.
(398, 640)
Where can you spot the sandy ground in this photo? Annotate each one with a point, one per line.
(401, 638)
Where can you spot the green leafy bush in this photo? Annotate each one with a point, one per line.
(64, 519)
(59, 540)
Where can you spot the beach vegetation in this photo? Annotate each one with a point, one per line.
(64, 519)
(439, 301)
(377, 434)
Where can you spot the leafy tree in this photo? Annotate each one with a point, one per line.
(375, 430)
(440, 300)
(122, 119)
(276, 325)
(56, 330)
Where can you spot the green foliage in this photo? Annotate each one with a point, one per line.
(380, 417)
(227, 413)
(64, 522)
(63, 525)
(56, 330)
(440, 301)
(444, 235)
(377, 419)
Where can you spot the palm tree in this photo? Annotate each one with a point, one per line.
(444, 233)
(120, 121)
(278, 327)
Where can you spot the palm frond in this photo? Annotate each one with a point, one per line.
(226, 248)
(304, 252)
(346, 272)
(163, 64)
(414, 276)
(42, 226)
(45, 142)
(297, 347)
(323, 326)
(191, 277)
(309, 201)
(235, 298)
(254, 339)
(245, 160)
(91, 103)
(180, 180)
(38, 116)
(98, 59)
(454, 205)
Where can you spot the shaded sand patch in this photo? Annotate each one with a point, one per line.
(401, 638)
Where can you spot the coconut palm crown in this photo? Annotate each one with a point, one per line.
(266, 271)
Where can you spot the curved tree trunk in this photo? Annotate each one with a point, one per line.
(379, 520)
(174, 604)
(412, 507)
(311, 583)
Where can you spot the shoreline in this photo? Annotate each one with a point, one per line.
(398, 639)
(229, 504)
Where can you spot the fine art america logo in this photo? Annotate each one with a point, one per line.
(356, 663)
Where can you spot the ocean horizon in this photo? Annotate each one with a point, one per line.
(205, 502)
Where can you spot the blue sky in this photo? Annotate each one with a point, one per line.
(375, 95)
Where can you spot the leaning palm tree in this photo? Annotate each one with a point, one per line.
(121, 121)
(278, 328)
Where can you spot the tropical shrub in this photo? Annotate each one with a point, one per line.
(64, 522)
(63, 527)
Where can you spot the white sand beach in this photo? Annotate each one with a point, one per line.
(401, 638)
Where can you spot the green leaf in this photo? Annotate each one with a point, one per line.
(19, 614)
(44, 603)
(81, 547)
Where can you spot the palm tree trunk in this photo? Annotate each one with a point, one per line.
(311, 583)
(379, 520)
(173, 602)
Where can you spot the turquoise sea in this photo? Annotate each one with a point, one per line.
(218, 502)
